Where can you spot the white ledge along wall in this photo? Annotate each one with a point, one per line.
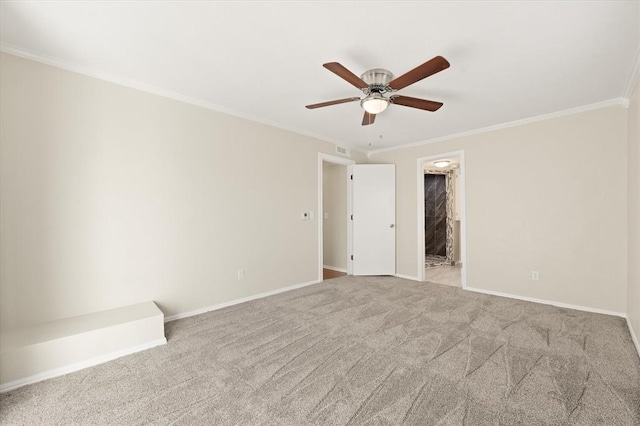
(539, 196)
(112, 196)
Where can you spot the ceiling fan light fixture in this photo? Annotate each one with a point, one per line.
(441, 163)
(377, 82)
(375, 103)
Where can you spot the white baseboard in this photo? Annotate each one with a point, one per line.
(237, 301)
(335, 268)
(547, 302)
(6, 387)
(406, 277)
(634, 336)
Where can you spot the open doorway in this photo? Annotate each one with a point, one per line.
(334, 227)
(334, 220)
(441, 219)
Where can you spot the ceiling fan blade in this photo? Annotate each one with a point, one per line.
(345, 74)
(430, 67)
(415, 103)
(368, 118)
(329, 103)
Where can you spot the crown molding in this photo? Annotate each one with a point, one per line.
(571, 111)
(133, 84)
(137, 85)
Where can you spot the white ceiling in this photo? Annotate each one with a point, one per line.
(263, 60)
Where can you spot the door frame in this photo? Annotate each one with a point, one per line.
(322, 157)
(462, 209)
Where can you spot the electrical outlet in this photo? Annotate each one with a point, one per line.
(240, 274)
(535, 275)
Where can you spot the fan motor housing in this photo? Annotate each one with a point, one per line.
(377, 78)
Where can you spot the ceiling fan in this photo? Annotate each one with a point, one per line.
(378, 82)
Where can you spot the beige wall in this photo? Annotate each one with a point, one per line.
(540, 196)
(334, 203)
(633, 165)
(111, 196)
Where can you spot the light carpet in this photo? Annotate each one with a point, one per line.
(359, 351)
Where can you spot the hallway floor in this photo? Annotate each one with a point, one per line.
(328, 274)
(447, 275)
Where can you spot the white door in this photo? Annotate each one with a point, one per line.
(374, 218)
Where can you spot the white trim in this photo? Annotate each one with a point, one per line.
(634, 336)
(50, 374)
(548, 302)
(335, 268)
(343, 162)
(634, 76)
(237, 301)
(406, 277)
(137, 85)
(462, 210)
(577, 110)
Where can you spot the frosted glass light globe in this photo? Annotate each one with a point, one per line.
(374, 104)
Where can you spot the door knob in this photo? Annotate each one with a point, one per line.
(392, 226)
